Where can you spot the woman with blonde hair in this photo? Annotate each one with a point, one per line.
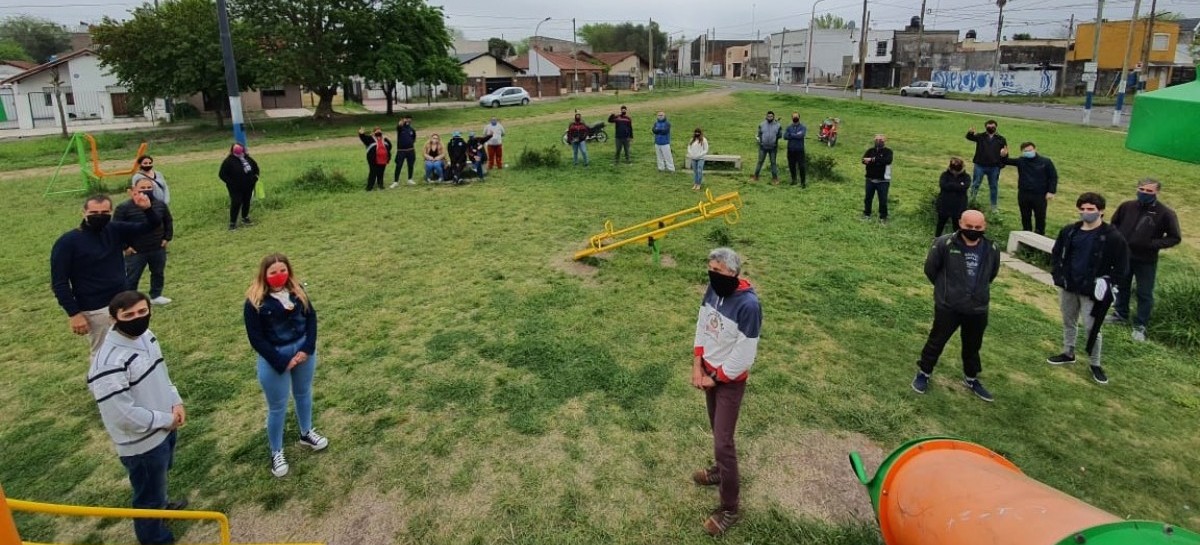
(435, 157)
(282, 326)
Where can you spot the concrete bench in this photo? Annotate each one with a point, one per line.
(1031, 239)
(735, 160)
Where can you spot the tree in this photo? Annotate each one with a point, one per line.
(10, 50)
(830, 21)
(501, 48)
(411, 47)
(625, 37)
(173, 51)
(38, 37)
(1022, 36)
(522, 46)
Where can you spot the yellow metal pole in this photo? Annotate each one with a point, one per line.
(119, 512)
(658, 233)
(8, 528)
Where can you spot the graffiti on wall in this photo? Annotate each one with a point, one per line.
(977, 82)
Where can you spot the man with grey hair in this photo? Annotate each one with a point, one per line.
(662, 143)
(1148, 226)
(768, 135)
(725, 346)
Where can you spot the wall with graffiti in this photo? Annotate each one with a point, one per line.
(977, 82)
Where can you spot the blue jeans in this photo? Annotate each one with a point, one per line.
(433, 167)
(136, 263)
(148, 476)
(881, 187)
(276, 387)
(577, 149)
(478, 169)
(763, 153)
(993, 175)
(697, 170)
(1145, 273)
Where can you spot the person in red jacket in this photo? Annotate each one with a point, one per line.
(577, 134)
(379, 154)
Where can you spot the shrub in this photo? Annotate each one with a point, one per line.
(823, 167)
(317, 180)
(1175, 303)
(184, 110)
(547, 157)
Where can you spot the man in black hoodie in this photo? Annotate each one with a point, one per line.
(1089, 257)
(624, 133)
(988, 160)
(149, 249)
(406, 149)
(961, 266)
(878, 160)
(1148, 226)
(1037, 182)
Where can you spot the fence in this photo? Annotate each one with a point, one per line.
(8, 109)
(673, 81)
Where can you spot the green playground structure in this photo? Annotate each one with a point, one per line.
(89, 164)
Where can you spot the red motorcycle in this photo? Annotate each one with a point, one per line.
(828, 132)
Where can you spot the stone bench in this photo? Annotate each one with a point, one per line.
(1016, 239)
(735, 160)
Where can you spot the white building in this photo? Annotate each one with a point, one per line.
(832, 48)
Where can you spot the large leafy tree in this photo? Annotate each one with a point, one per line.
(173, 51)
(501, 48)
(10, 50)
(411, 44)
(625, 37)
(38, 37)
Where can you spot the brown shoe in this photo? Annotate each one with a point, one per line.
(754, 178)
(720, 521)
(774, 181)
(707, 477)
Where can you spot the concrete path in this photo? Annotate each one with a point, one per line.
(1007, 260)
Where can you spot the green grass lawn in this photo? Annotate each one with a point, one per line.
(479, 387)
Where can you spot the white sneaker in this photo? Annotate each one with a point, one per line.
(1139, 334)
(314, 440)
(394, 185)
(160, 300)
(279, 465)
(410, 182)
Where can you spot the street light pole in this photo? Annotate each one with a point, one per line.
(996, 62)
(231, 81)
(538, 58)
(812, 17)
(1116, 119)
(779, 73)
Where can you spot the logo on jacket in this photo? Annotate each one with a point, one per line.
(713, 325)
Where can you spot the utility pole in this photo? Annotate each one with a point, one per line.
(1144, 79)
(862, 53)
(231, 81)
(1116, 119)
(537, 59)
(650, 76)
(812, 18)
(920, 38)
(1091, 84)
(996, 63)
(574, 58)
(1062, 74)
(779, 73)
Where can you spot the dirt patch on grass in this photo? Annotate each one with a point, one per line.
(365, 517)
(807, 473)
(585, 269)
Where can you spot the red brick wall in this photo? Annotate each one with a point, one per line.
(550, 85)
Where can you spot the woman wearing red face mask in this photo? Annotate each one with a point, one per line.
(282, 326)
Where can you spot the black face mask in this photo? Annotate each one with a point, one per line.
(991, 130)
(149, 193)
(795, 120)
(147, 168)
(722, 285)
(97, 222)
(134, 327)
(971, 234)
(378, 135)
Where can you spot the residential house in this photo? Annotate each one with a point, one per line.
(1165, 54)
(554, 45)
(1188, 30)
(760, 61)
(737, 59)
(625, 68)
(707, 57)
(12, 68)
(275, 97)
(485, 73)
(937, 47)
(834, 55)
(574, 73)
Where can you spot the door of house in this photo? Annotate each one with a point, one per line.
(120, 104)
(8, 109)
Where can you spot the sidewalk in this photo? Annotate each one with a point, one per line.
(10, 134)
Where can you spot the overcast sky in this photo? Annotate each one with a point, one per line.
(737, 19)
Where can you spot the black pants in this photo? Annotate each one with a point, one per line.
(944, 217)
(404, 156)
(1035, 205)
(796, 162)
(945, 322)
(622, 143)
(375, 176)
(239, 201)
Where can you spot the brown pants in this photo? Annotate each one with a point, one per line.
(99, 322)
(724, 401)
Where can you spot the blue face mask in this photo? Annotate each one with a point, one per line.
(1029, 154)
(1146, 198)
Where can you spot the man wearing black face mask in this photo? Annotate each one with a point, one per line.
(988, 160)
(795, 151)
(1149, 226)
(140, 408)
(961, 266)
(87, 264)
(149, 249)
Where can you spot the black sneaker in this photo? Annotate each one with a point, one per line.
(247, 221)
(920, 383)
(977, 388)
(177, 505)
(232, 226)
(1098, 375)
(1061, 359)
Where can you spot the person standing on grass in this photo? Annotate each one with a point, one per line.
(988, 160)
(1148, 226)
(577, 133)
(406, 142)
(87, 264)
(140, 408)
(725, 346)
(662, 143)
(1088, 259)
(696, 151)
(952, 200)
(795, 149)
(240, 173)
(1037, 182)
(495, 144)
(379, 154)
(281, 324)
(961, 266)
(624, 133)
(146, 170)
(435, 159)
(878, 160)
(768, 135)
(150, 248)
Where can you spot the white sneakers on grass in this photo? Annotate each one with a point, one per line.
(279, 465)
(160, 300)
(313, 440)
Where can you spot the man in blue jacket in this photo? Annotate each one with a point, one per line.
(662, 143)
(406, 145)
(624, 133)
(795, 151)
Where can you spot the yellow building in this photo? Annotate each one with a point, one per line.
(1114, 36)
(737, 59)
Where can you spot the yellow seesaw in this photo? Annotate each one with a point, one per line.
(726, 206)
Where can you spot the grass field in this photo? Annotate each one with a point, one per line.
(479, 387)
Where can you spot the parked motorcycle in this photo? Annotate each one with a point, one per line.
(595, 134)
(828, 132)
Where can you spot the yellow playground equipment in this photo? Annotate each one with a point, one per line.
(89, 163)
(726, 206)
(10, 536)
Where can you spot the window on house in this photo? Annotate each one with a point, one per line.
(881, 49)
(70, 99)
(1161, 39)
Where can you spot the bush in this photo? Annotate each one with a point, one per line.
(823, 167)
(1175, 303)
(184, 110)
(316, 180)
(547, 157)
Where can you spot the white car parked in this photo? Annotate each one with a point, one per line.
(923, 88)
(505, 96)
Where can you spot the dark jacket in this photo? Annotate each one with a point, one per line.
(946, 269)
(1147, 228)
(406, 137)
(953, 197)
(987, 149)
(456, 150)
(369, 142)
(878, 167)
(1035, 176)
(270, 327)
(234, 174)
(794, 135)
(623, 124)
(1110, 257)
(152, 241)
(87, 268)
(476, 151)
(577, 132)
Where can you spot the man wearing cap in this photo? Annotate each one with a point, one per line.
(456, 149)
